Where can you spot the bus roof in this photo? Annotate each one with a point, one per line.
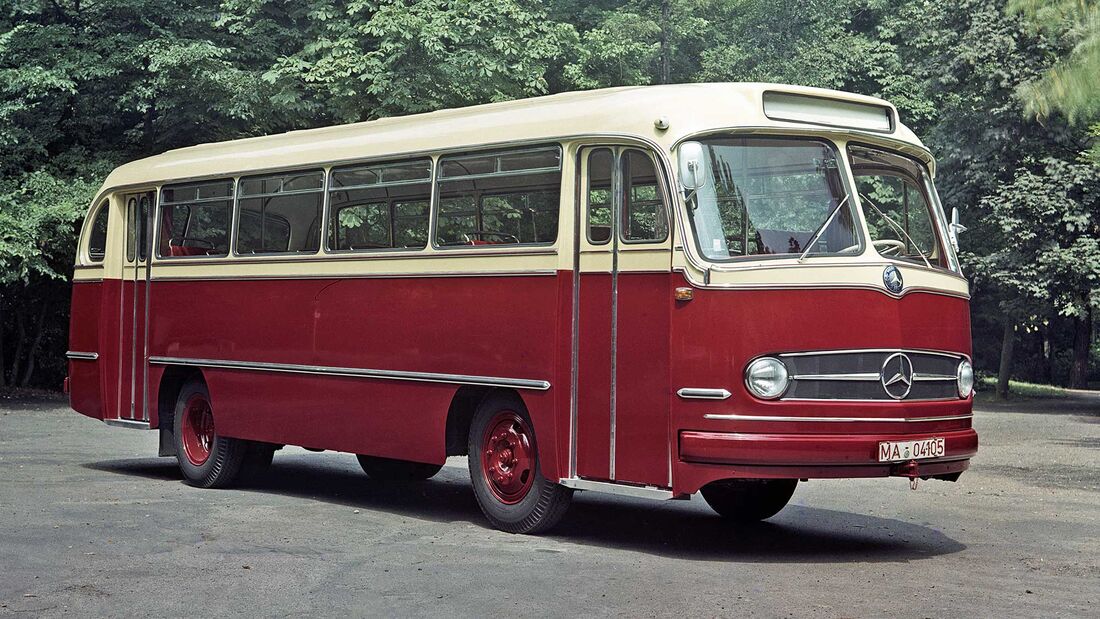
(628, 110)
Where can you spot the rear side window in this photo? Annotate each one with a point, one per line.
(97, 236)
(280, 214)
(194, 219)
(504, 198)
(380, 206)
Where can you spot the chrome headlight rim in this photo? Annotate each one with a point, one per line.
(785, 373)
(964, 372)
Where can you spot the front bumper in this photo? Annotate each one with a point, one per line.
(709, 456)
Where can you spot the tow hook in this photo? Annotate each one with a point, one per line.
(911, 470)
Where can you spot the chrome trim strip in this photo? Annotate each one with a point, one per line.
(933, 377)
(641, 492)
(128, 423)
(294, 368)
(849, 351)
(845, 377)
(838, 419)
(82, 356)
(617, 197)
(419, 275)
(699, 393)
(815, 286)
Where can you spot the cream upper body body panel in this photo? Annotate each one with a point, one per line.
(632, 110)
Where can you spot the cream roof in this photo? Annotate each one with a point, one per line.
(630, 110)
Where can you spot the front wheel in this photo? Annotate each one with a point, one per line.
(749, 500)
(504, 469)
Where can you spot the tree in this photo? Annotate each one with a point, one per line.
(1049, 254)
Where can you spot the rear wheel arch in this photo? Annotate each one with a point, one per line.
(464, 404)
(171, 381)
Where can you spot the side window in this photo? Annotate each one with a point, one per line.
(194, 219)
(131, 228)
(505, 198)
(280, 214)
(97, 236)
(600, 164)
(644, 218)
(380, 206)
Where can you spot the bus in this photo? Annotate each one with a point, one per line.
(645, 291)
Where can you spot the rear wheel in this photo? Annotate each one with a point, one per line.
(749, 500)
(206, 459)
(388, 469)
(505, 472)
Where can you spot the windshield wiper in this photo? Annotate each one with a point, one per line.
(893, 223)
(821, 229)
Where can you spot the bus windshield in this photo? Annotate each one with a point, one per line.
(900, 207)
(772, 197)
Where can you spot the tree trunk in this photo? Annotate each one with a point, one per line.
(1082, 341)
(21, 338)
(1005, 371)
(32, 354)
(664, 69)
(3, 324)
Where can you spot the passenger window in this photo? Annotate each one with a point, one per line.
(644, 217)
(97, 236)
(507, 198)
(381, 206)
(280, 214)
(194, 219)
(600, 164)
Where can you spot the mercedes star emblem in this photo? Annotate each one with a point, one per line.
(891, 278)
(897, 375)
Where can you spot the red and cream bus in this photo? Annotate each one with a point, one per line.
(648, 291)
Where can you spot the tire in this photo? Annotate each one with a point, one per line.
(749, 500)
(505, 471)
(206, 459)
(388, 469)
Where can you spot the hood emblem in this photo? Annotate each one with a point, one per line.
(896, 375)
(891, 278)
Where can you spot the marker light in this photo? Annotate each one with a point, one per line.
(767, 378)
(964, 378)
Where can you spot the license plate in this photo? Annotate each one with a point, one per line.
(896, 451)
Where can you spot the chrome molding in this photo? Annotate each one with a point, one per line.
(293, 368)
(641, 492)
(133, 424)
(848, 351)
(697, 393)
(838, 419)
(82, 356)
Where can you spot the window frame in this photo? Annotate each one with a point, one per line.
(327, 214)
(104, 207)
(846, 178)
(438, 179)
(663, 197)
(161, 204)
(937, 219)
(237, 197)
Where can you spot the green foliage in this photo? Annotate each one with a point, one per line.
(1072, 85)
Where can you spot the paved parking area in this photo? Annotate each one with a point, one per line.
(91, 523)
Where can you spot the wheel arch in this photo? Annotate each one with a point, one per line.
(171, 381)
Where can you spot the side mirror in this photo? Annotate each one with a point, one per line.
(693, 175)
(954, 229)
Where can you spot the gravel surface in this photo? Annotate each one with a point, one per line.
(92, 524)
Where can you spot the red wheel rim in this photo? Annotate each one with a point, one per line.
(197, 430)
(508, 457)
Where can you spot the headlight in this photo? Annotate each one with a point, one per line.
(767, 378)
(964, 378)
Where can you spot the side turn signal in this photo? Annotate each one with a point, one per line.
(684, 294)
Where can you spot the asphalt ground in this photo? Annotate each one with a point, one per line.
(92, 524)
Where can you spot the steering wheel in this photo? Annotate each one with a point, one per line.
(889, 247)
